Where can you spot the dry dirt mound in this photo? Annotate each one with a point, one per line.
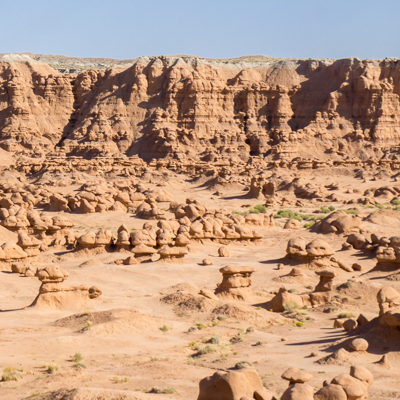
(91, 394)
(183, 287)
(243, 312)
(339, 357)
(91, 263)
(360, 290)
(109, 322)
(189, 302)
(386, 218)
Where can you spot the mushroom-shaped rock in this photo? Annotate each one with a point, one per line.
(292, 224)
(235, 283)
(326, 277)
(319, 247)
(11, 251)
(296, 247)
(295, 375)
(173, 252)
(62, 221)
(52, 274)
(142, 249)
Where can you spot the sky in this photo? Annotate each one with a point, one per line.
(125, 29)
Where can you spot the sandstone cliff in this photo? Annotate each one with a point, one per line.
(202, 110)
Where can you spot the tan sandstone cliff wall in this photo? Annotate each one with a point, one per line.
(202, 110)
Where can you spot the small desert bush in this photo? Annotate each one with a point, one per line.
(254, 211)
(308, 225)
(396, 202)
(243, 364)
(345, 314)
(164, 328)
(299, 324)
(115, 379)
(214, 340)
(261, 208)
(242, 213)
(77, 357)
(51, 369)
(10, 374)
(167, 390)
(207, 350)
(290, 306)
(324, 210)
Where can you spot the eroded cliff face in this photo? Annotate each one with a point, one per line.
(204, 111)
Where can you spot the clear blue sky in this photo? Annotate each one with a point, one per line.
(215, 29)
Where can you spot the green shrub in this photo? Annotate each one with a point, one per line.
(331, 208)
(299, 324)
(380, 206)
(290, 306)
(355, 212)
(254, 211)
(242, 213)
(164, 328)
(308, 225)
(396, 202)
(324, 210)
(214, 340)
(261, 208)
(77, 357)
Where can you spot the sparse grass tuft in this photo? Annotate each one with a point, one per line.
(77, 357)
(206, 350)
(51, 369)
(345, 314)
(10, 374)
(290, 306)
(354, 212)
(164, 329)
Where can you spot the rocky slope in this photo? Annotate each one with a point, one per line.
(186, 108)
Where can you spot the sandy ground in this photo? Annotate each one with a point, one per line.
(128, 351)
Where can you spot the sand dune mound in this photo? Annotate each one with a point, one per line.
(183, 287)
(189, 302)
(92, 394)
(339, 357)
(247, 313)
(109, 322)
